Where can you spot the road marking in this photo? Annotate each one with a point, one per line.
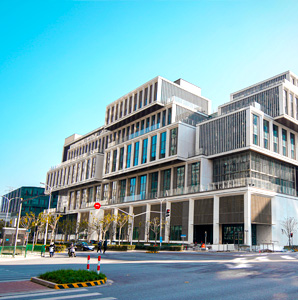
(262, 258)
(42, 293)
(72, 296)
(287, 257)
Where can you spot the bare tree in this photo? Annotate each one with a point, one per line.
(95, 226)
(53, 221)
(289, 226)
(154, 226)
(106, 223)
(121, 221)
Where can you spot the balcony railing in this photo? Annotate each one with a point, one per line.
(235, 183)
(134, 135)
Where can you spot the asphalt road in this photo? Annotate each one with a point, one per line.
(187, 275)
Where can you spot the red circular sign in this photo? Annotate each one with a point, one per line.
(97, 205)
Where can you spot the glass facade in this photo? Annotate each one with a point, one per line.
(284, 142)
(121, 159)
(153, 148)
(173, 141)
(163, 139)
(292, 137)
(145, 150)
(275, 138)
(143, 181)
(266, 134)
(195, 174)
(128, 156)
(136, 154)
(255, 165)
(132, 186)
(255, 130)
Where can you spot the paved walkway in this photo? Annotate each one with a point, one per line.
(19, 286)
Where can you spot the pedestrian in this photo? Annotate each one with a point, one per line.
(52, 249)
(105, 246)
(99, 246)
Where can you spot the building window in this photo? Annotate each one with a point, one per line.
(169, 116)
(154, 184)
(284, 142)
(106, 192)
(255, 130)
(93, 167)
(88, 168)
(98, 191)
(153, 148)
(121, 158)
(195, 173)
(143, 181)
(163, 138)
(166, 180)
(180, 177)
(164, 113)
(286, 101)
(173, 141)
(292, 137)
(122, 189)
(147, 124)
(135, 102)
(291, 105)
(140, 99)
(266, 134)
(108, 162)
(296, 99)
(132, 186)
(78, 172)
(91, 196)
(275, 138)
(136, 154)
(145, 150)
(83, 171)
(114, 160)
(145, 96)
(128, 156)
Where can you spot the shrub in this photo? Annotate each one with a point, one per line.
(121, 247)
(71, 276)
(59, 248)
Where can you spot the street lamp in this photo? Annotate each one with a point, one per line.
(17, 227)
(8, 206)
(47, 223)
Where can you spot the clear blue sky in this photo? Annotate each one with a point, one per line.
(62, 62)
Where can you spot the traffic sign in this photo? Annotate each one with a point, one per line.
(97, 205)
(183, 235)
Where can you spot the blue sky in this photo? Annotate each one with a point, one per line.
(62, 62)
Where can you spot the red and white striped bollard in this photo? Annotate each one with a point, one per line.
(88, 263)
(98, 264)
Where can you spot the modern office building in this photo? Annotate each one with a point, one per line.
(229, 177)
(37, 202)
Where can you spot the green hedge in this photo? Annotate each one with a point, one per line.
(157, 248)
(121, 247)
(71, 276)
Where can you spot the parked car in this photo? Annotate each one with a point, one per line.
(84, 246)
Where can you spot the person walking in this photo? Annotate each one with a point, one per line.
(105, 246)
(99, 246)
(52, 249)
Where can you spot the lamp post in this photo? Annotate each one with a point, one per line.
(47, 223)
(8, 206)
(17, 228)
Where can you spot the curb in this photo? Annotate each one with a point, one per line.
(152, 251)
(68, 285)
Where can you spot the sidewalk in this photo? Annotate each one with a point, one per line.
(19, 286)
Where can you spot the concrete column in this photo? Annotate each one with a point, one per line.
(271, 135)
(168, 224)
(191, 210)
(215, 220)
(157, 145)
(247, 218)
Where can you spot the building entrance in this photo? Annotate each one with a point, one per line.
(199, 234)
(232, 234)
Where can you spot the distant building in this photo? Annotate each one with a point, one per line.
(37, 201)
(229, 177)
